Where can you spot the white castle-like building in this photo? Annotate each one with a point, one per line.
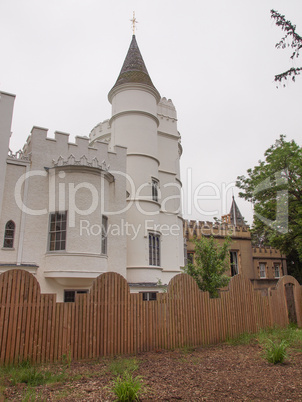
(108, 202)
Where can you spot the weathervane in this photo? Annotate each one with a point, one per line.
(134, 21)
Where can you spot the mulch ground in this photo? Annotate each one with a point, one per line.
(215, 373)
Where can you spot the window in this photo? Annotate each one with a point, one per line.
(148, 296)
(154, 190)
(154, 249)
(262, 270)
(9, 234)
(277, 270)
(104, 234)
(57, 232)
(69, 295)
(234, 263)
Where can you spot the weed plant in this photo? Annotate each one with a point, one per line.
(127, 388)
(275, 351)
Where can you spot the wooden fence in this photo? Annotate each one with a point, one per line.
(109, 320)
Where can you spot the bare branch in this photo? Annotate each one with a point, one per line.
(296, 44)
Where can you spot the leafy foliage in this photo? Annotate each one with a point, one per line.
(275, 188)
(296, 44)
(211, 263)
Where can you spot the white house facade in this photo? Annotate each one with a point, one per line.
(108, 202)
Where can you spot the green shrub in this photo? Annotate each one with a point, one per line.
(275, 352)
(127, 388)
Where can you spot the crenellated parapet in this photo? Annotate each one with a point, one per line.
(166, 109)
(167, 118)
(19, 156)
(266, 251)
(196, 229)
(58, 151)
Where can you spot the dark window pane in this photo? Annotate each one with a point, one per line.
(69, 296)
(9, 235)
(154, 249)
(148, 296)
(104, 235)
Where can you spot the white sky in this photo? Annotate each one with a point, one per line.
(216, 60)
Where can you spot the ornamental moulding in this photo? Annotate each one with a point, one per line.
(83, 161)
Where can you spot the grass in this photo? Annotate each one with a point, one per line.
(120, 366)
(32, 376)
(242, 339)
(186, 349)
(127, 388)
(291, 335)
(275, 341)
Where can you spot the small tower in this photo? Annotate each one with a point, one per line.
(236, 217)
(153, 152)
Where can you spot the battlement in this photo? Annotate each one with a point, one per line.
(166, 109)
(197, 229)
(59, 151)
(263, 252)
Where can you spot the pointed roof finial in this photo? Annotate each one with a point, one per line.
(134, 21)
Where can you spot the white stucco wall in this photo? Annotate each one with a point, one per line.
(66, 177)
(6, 114)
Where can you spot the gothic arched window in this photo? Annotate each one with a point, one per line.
(9, 234)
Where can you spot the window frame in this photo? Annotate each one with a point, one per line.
(104, 239)
(154, 248)
(149, 296)
(9, 237)
(277, 265)
(55, 232)
(76, 291)
(154, 185)
(234, 263)
(262, 264)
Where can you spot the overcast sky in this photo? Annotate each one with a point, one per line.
(216, 60)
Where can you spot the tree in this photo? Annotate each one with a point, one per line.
(275, 188)
(291, 38)
(211, 263)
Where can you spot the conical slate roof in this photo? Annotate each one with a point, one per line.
(134, 69)
(236, 218)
